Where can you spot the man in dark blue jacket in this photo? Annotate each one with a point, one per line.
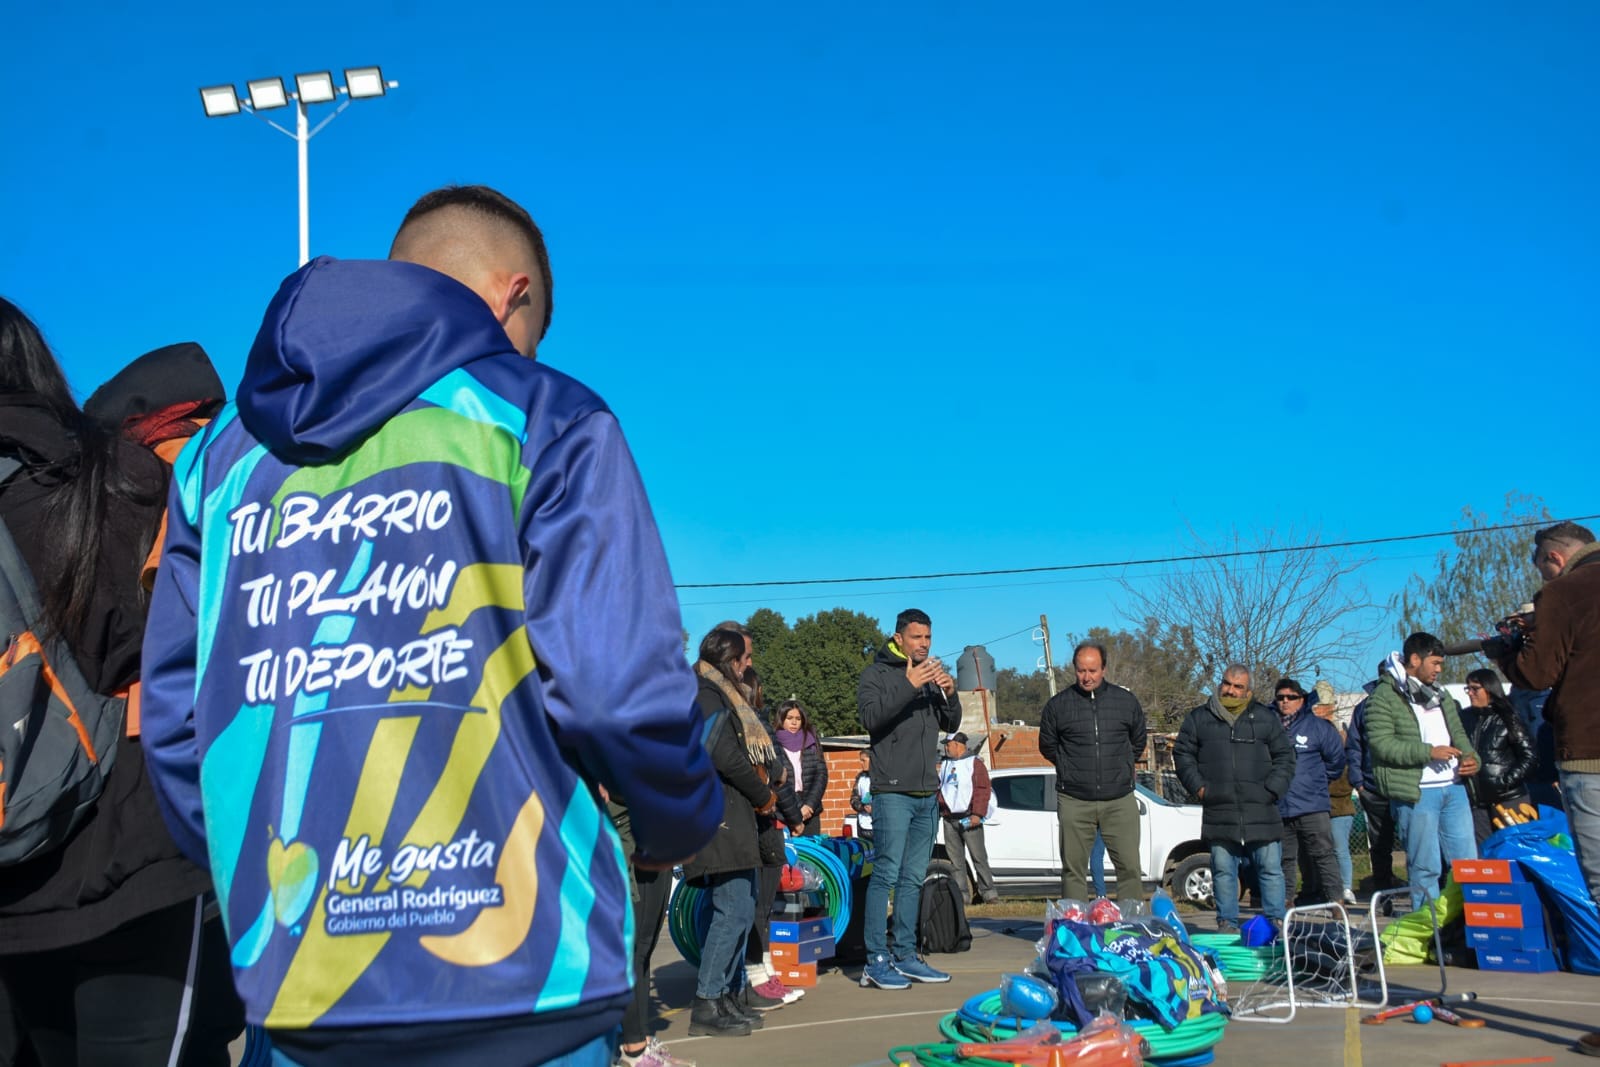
(412, 612)
(1374, 805)
(1319, 760)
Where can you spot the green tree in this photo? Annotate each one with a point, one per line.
(817, 661)
(1487, 576)
(1159, 665)
(1019, 696)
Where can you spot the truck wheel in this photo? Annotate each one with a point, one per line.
(1192, 880)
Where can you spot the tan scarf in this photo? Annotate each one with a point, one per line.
(756, 742)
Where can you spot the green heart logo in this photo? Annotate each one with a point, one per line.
(292, 874)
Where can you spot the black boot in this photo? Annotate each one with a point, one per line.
(734, 1004)
(710, 1019)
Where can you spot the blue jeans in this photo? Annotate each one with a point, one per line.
(733, 912)
(1097, 863)
(1341, 848)
(902, 836)
(1581, 792)
(1267, 860)
(1436, 829)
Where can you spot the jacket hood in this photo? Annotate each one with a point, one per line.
(891, 655)
(346, 344)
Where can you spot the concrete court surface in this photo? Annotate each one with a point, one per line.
(839, 1024)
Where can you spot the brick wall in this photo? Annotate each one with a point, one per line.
(844, 763)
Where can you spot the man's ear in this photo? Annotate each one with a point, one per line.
(513, 294)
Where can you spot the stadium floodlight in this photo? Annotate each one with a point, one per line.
(315, 88)
(219, 100)
(363, 82)
(267, 93)
(312, 87)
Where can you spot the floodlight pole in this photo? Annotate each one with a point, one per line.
(305, 178)
(302, 134)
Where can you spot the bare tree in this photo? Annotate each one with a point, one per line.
(1279, 605)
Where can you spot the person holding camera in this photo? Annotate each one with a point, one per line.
(1562, 653)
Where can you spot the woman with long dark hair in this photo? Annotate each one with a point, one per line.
(798, 741)
(1504, 747)
(105, 939)
(726, 868)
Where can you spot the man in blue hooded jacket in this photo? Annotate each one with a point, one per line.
(1319, 760)
(412, 614)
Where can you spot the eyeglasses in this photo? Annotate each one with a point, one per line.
(1474, 687)
(1289, 698)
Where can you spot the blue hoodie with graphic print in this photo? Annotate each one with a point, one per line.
(412, 609)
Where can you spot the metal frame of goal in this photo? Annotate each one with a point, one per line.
(1324, 961)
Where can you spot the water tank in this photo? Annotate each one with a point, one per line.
(975, 669)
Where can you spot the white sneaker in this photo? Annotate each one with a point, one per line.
(1350, 897)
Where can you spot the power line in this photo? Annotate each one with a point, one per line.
(1193, 558)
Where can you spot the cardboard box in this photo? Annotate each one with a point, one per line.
(1507, 939)
(1529, 961)
(1520, 893)
(785, 953)
(792, 931)
(1485, 871)
(1515, 916)
(799, 975)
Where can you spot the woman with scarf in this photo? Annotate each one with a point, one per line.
(799, 743)
(726, 868)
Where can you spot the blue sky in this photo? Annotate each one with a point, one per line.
(908, 288)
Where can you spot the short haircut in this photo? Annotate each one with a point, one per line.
(1290, 685)
(1421, 644)
(1563, 533)
(910, 616)
(1097, 646)
(493, 205)
(1233, 670)
(734, 625)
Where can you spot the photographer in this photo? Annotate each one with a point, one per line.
(1560, 650)
(1562, 653)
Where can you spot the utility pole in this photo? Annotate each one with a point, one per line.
(1049, 667)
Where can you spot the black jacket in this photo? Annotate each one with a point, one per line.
(1093, 740)
(813, 775)
(121, 864)
(1243, 768)
(744, 791)
(1505, 751)
(904, 725)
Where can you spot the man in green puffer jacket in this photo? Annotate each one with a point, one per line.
(1420, 753)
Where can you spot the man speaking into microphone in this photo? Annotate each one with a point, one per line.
(907, 700)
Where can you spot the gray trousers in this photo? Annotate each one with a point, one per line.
(1118, 821)
(958, 842)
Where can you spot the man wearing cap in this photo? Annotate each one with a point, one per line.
(964, 795)
(1319, 761)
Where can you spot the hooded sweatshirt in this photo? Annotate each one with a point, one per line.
(412, 608)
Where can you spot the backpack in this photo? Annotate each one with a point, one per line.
(942, 915)
(58, 737)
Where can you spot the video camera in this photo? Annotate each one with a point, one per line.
(1510, 634)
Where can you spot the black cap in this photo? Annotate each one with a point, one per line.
(169, 375)
(959, 737)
